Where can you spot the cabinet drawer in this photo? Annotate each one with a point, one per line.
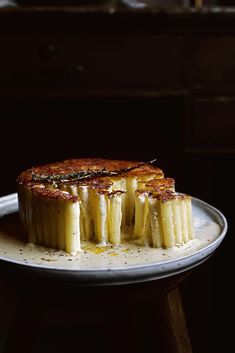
(91, 62)
(213, 123)
(213, 60)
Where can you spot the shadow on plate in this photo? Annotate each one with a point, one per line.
(10, 226)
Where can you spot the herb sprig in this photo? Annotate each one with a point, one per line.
(83, 174)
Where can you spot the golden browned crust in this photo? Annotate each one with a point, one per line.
(156, 186)
(168, 195)
(37, 178)
(78, 165)
(160, 184)
(48, 192)
(145, 170)
(55, 194)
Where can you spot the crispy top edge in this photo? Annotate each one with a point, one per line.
(41, 191)
(156, 186)
(101, 184)
(168, 195)
(159, 183)
(79, 165)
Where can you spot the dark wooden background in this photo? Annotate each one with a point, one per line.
(130, 85)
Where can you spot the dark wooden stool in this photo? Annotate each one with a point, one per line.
(142, 317)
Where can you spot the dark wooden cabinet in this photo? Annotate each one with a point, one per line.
(90, 62)
(212, 123)
(213, 60)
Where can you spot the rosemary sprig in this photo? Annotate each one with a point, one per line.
(83, 174)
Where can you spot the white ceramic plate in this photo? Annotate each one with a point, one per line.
(110, 265)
